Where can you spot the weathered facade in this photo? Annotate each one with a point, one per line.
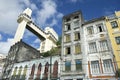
(88, 51)
(99, 60)
(72, 67)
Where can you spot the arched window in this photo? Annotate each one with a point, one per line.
(39, 71)
(46, 71)
(15, 70)
(14, 73)
(55, 70)
(32, 72)
(19, 72)
(24, 73)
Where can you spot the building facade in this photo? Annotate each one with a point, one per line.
(90, 50)
(113, 27)
(72, 59)
(98, 53)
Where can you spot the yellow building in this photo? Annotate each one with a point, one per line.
(113, 27)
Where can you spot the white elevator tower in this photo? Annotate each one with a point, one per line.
(48, 37)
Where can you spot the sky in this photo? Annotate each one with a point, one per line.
(47, 13)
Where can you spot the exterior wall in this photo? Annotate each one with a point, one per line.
(114, 32)
(73, 73)
(50, 60)
(2, 62)
(100, 55)
(50, 41)
(50, 30)
(46, 45)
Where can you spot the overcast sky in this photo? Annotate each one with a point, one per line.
(47, 13)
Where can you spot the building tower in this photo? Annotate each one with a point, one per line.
(71, 68)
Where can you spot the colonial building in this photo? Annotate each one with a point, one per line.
(113, 27)
(98, 54)
(90, 50)
(25, 62)
(72, 56)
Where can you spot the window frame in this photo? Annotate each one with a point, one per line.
(114, 24)
(67, 65)
(117, 39)
(78, 66)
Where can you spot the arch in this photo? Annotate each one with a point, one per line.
(14, 73)
(39, 71)
(15, 70)
(55, 70)
(32, 72)
(24, 72)
(19, 72)
(46, 70)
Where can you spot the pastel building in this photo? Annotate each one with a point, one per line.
(113, 27)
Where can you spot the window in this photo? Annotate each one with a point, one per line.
(103, 45)
(15, 70)
(67, 50)
(100, 27)
(67, 65)
(77, 49)
(78, 65)
(24, 72)
(39, 71)
(67, 38)
(68, 19)
(55, 70)
(114, 24)
(46, 71)
(19, 72)
(76, 23)
(67, 27)
(32, 72)
(77, 36)
(95, 69)
(76, 17)
(108, 67)
(92, 47)
(117, 39)
(90, 30)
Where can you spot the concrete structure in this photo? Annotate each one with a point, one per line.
(50, 42)
(37, 69)
(72, 67)
(98, 54)
(113, 27)
(20, 51)
(2, 62)
(49, 36)
(89, 50)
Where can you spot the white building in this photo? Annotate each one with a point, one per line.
(49, 42)
(98, 55)
(45, 68)
(72, 60)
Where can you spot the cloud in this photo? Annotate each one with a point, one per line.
(0, 37)
(48, 11)
(108, 11)
(5, 46)
(8, 15)
(10, 10)
(76, 1)
(37, 41)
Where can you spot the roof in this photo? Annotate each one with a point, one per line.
(94, 20)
